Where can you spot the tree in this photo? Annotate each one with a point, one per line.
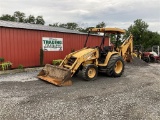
(142, 36)
(72, 25)
(7, 17)
(40, 20)
(75, 26)
(101, 25)
(62, 25)
(85, 30)
(69, 25)
(54, 24)
(152, 38)
(138, 30)
(31, 19)
(19, 16)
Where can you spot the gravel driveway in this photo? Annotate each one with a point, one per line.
(134, 96)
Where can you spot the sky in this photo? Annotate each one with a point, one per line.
(88, 13)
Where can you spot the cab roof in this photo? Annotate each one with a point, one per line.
(108, 30)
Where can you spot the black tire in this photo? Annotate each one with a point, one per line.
(115, 66)
(146, 59)
(89, 72)
(152, 58)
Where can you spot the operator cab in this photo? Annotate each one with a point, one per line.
(103, 50)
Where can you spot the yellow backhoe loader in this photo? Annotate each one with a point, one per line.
(90, 60)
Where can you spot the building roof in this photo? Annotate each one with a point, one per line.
(36, 27)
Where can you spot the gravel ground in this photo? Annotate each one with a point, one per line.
(134, 96)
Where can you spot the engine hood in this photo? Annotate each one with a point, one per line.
(82, 52)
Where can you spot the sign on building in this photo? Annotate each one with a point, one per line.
(52, 44)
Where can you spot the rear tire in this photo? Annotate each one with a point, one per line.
(89, 72)
(115, 66)
(152, 58)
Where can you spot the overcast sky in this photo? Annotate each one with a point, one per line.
(115, 13)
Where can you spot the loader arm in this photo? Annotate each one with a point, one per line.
(126, 49)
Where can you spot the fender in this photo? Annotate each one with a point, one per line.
(108, 56)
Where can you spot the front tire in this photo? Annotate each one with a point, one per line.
(89, 72)
(147, 59)
(115, 66)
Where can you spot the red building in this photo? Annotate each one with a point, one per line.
(20, 43)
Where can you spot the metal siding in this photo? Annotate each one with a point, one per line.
(2, 44)
(35, 51)
(37, 46)
(19, 49)
(4, 40)
(15, 45)
(0, 41)
(11, 45)
(8, 46)
(21, 46)
(24, 45)
(29, 48)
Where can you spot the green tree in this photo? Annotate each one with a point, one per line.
(31, 19)
(19, 16)
(85, 30)
(152, 38)
(69, 25)
(142, 36)
(75, 26)
(54, 24)
(139, 29)
(40, 20)
(62, 25)
(7, 17)
(101, 25)
(72, 25)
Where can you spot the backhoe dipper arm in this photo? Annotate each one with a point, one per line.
(126, 49)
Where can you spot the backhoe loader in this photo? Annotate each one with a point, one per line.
(90, 60)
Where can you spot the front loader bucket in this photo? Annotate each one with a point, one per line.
(56, 75)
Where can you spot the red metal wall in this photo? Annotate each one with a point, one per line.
(22, 46)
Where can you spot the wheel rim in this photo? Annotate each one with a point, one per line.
(91, 73)
(118, 67)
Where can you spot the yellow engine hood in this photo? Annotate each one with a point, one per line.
(82, 52)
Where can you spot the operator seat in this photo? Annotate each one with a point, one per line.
(104, 53)
(106, 49)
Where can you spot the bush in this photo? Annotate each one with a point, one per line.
(6, 65)
(1, 59)
(20, 66)
(56, 62)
